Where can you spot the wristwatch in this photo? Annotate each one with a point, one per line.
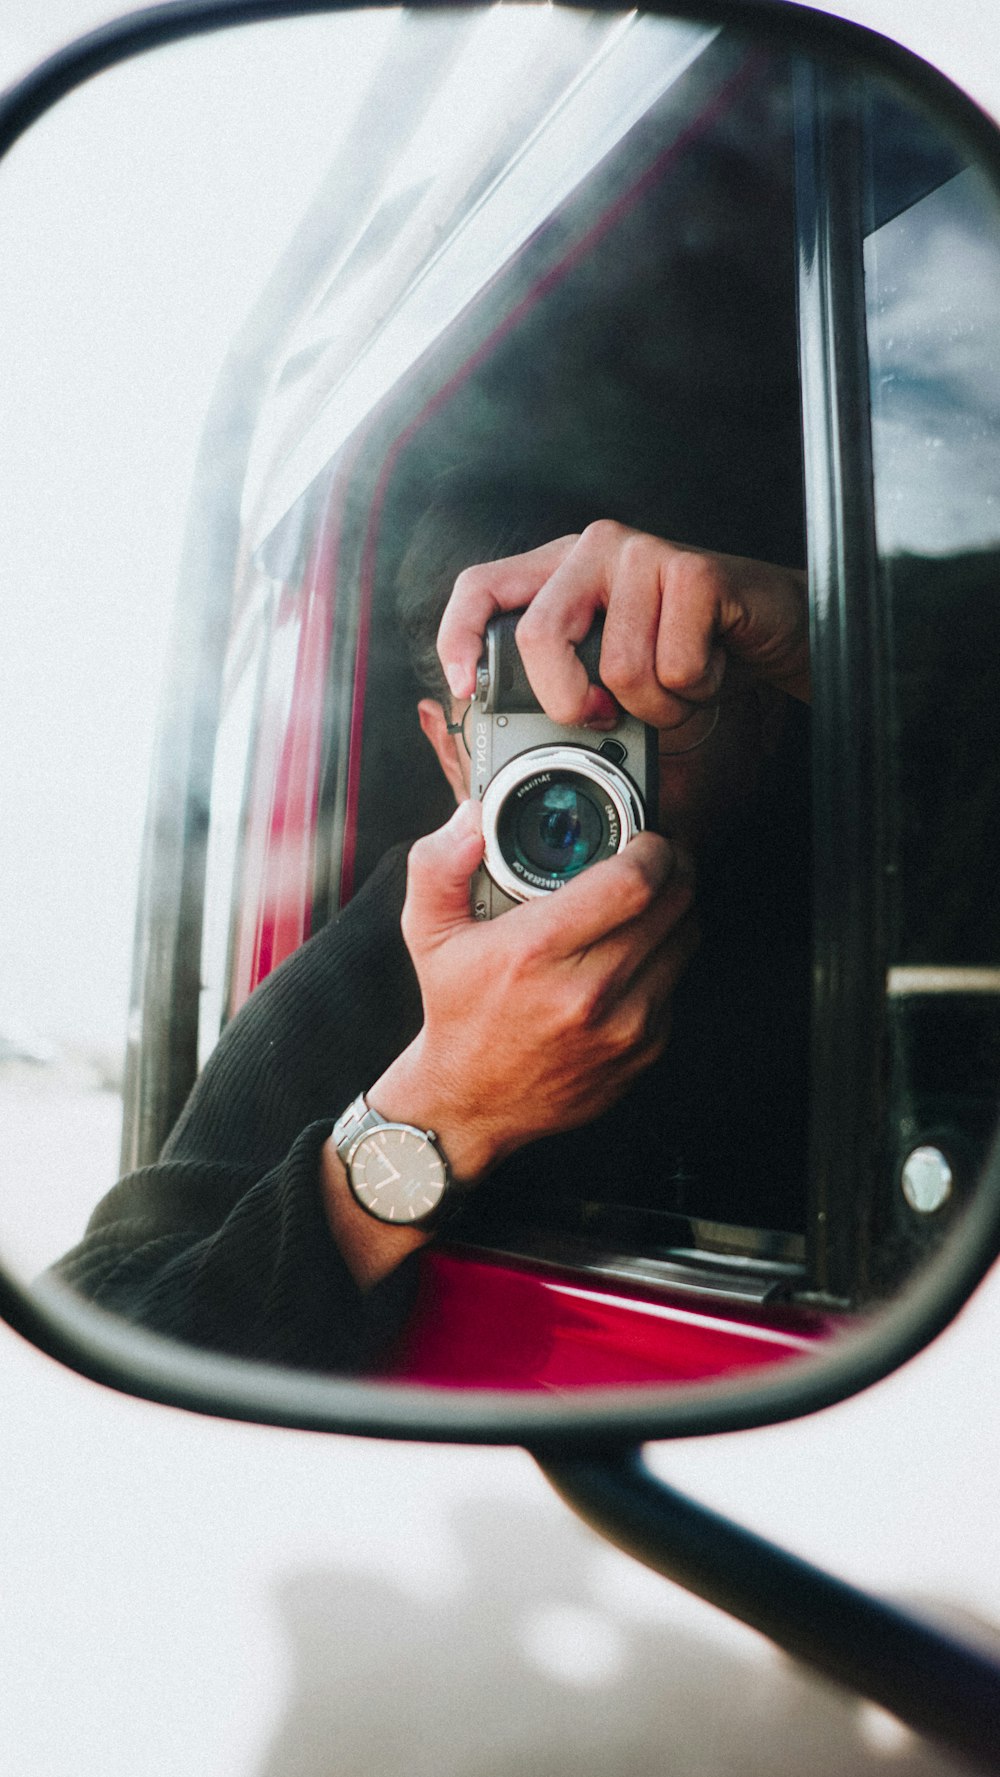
(396, 1172)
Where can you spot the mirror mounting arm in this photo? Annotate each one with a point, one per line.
(938, 1686)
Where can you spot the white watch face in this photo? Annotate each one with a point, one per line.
(397, 1174)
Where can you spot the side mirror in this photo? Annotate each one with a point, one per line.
(729, 279)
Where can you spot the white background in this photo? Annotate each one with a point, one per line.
(183, 1597)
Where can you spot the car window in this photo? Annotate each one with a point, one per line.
(932, 275)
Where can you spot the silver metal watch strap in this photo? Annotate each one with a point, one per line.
(352, 1124)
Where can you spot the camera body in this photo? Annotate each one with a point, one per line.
(555, 799)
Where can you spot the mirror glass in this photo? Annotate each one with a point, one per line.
(657, 310)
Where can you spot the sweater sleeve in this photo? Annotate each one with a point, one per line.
(224, 1242)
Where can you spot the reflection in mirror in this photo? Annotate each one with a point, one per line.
(931, 283)
(565, 334)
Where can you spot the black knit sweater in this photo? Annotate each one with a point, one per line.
(224, 1242)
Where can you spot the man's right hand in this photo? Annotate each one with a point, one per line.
(536, 1022)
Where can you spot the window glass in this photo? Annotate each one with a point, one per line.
(932, 274)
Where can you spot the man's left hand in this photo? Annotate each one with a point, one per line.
(673, 615)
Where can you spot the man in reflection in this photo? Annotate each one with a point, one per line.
(583, 1044)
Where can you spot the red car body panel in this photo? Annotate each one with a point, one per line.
(484, 1322)
(275, 910)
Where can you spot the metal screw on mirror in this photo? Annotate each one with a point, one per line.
(927, 1180)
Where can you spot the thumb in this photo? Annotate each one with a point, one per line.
(437, 877)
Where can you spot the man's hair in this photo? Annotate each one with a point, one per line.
(459, 530)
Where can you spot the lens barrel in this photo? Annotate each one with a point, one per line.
(553, 811)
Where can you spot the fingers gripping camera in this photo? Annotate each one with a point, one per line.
(555, 799)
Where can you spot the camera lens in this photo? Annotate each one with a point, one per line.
(551, 811)
(556, 828)
(552, 824)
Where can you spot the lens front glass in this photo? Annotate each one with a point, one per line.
(553, 825)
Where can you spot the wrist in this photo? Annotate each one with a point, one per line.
(412, 1091)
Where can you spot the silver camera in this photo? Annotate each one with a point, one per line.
(555, 799)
